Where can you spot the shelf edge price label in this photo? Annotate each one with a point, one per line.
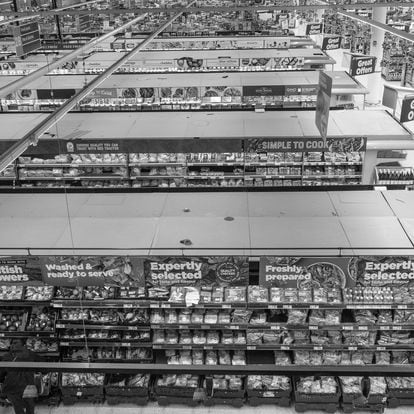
(187, 347)
(128, 305)
(397, 327)
(272, 307)
(363, 328)
(59, 326)
(234, 327)
(165, 305)
(287, 306)
(285, 347)
(57, 305)
(348, 328)
(126, 344)
(132, 328)
(318, 348)
(352, 348)
(275, 327)
(208, 347)
(226, 306)
(79, 394)
(251, 348)
(313, 306)
(156, 346)
(313, 327)
(64, 344)
(402, 307)
(381, 348)
(153, 305)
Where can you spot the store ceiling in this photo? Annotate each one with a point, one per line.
(317, 223)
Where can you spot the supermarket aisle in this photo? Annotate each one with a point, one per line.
(155, 409)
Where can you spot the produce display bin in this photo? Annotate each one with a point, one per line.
(315, 398)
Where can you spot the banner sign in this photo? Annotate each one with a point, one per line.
(344, 144)
(313, 28)
(323, 103)
(362, 65)
(269, 90)
(336, 272)
(305, 272)
(83, 146)
(407, 109)
(196, 271)
(20, 270)
(92, 271)
(331, 42)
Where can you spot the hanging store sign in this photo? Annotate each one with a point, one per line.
(82, 146)
(26, 38)
(362, 65)
(345, 144)
(196, 271)
(407, 109)
(331, 42)
(92, 271)
(323, 104)
(313, 28)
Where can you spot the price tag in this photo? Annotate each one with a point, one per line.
(79, 394)
(57, 305)
(385, 328)
(275, 327)
(313, 327)
(182, 327)
(363, 328)
(64, 344)
(153, 305)
(287, 306)
(165, 305)
(272, 306)
(1, 335)
(59, 326)
(397, 327)
(285, 348)
(187, 347)
(208, 347)
(226, 306)
(402, 307)
(314, 306)
(318, 348)
(132, 328)
(127, 305)
(156, 346)
(351, 306)
(234, 327)
(352, 348)
(251, 348)
(348, 328)
(205, 326)
(269, 394)
(381, 348)
(127, 344)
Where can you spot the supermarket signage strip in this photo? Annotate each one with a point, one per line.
(279, 347)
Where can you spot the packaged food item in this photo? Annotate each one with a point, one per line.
(197, 316)
(277, 295)
(240, 316)
(213, 337)
(377, 385)
(184, 316)
(239, 358)
(304, 295)
(364, 317)
(254, 337)
(235, 383)
(199, 337)
(320, 295)
(227, 337)
(217, 294)
(258, 318)
(258, 294)
(239, 338)
(211, 358)
(271, 337)
(224, 357)
(177, 294)
(297, 317)
(185, 358)
(205, 295)
(291, 295)
(170, 316)
(158, 337)
(171, 337)
(157, 316)
(185, 337)
(99, 292)
(223, 317)
(282, 358)
(37, 293)
(12, 292)
(198, 357)
(351, 385)
(382, 358)
(317, 385)
(158, 293)
(334, 296)
(235, 294)
(211, 317)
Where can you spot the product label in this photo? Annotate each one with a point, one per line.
(189, 271)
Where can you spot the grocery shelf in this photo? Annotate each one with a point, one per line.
(105, 343)
(27, 334)
(69, 165)
(24, 303)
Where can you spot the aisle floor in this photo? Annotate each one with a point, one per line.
(177, 409)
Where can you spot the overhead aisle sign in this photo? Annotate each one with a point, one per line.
(331, 42)
(26, 38)
(362, 65)
(313, 28)
(407, 109)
